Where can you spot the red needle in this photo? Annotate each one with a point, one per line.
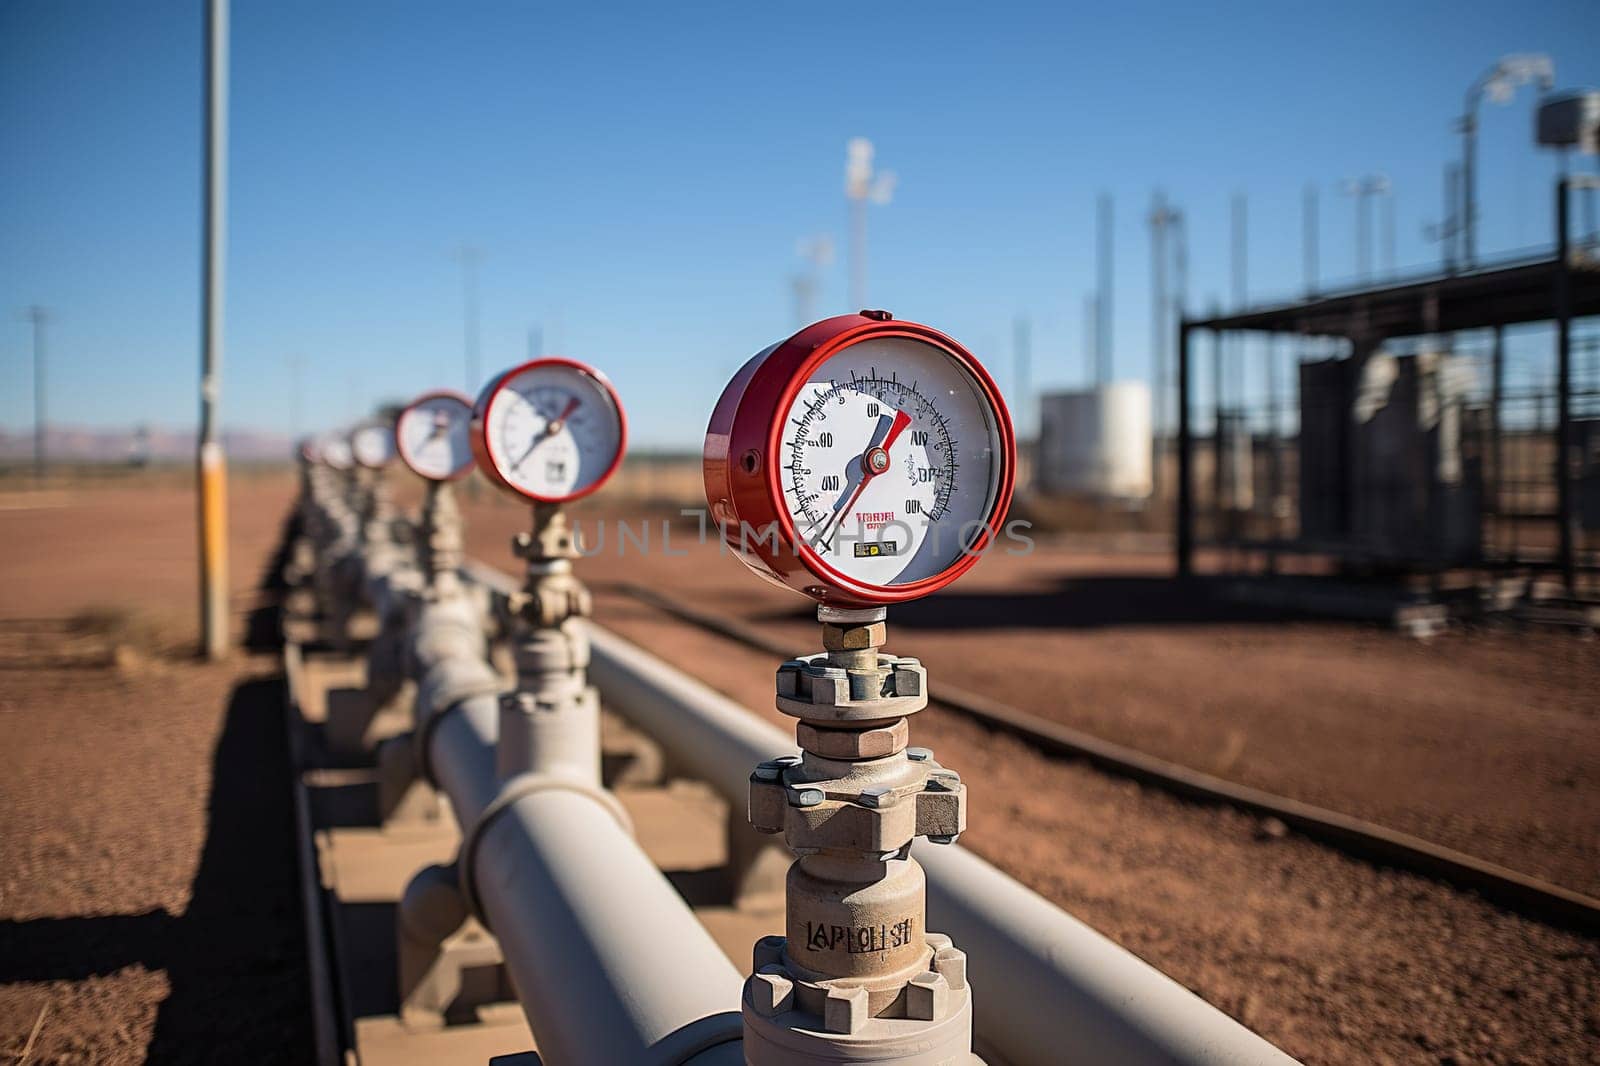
(559, 420)
(901, 421)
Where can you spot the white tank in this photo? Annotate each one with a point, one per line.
(1096, 442)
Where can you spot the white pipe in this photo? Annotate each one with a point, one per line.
(609, 963)
(1048, 989)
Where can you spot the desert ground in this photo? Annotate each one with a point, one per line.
(148, 904)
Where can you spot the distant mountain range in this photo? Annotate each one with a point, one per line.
(78, 444)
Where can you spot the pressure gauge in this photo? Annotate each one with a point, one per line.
(372, 444)
(433, 435)
(551, 430)
(335, 450)
(310, 451)
(862, 461)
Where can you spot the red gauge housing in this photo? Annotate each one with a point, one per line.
(741, 461)
(400, 444)
(480, 428)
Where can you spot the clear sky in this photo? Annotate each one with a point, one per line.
(637, 178)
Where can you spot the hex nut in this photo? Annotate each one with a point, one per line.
(951, 964)
(854, 637)
(845, 1010)
(927, 997)
(771, 992)
(872, 743)
(936, 942)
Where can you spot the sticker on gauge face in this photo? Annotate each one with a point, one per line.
(434, 436)
(890, 461)
(372, 445)
(553, 431)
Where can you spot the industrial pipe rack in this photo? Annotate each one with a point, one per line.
(609, 962)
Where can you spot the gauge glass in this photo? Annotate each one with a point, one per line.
(335, 449)
(434, 436)
(553, 430)
(890, 461)
(372, 445)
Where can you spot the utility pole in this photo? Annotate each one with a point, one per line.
(1105, 303)
(470, 257)
(1309, 225)
(1499, 83)
(861, 184)
(1022, 354)
(1162, 219)
(296, 365)
(39, 317)
(1363, 189)
(212, 463)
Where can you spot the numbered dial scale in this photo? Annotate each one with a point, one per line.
(881, 452)
(434, 436)
(551, 430)
(372, 445)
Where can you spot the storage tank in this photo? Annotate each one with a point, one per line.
(1096, 442)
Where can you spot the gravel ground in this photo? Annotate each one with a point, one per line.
(149, 899)
(147, 902)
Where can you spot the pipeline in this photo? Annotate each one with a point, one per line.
(1050, 988)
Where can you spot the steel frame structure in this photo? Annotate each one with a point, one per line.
(1526, 422)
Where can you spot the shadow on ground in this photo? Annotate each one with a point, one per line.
(235, 959)
(1110, 600)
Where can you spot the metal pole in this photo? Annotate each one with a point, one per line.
(1091, 336)
(470, 258)
(212, 464)
(1102, 369)
(38, 316)
(1388, 230)
(1469, 153)
(1022, 342)
(1185, 516)
(1160, 219)
(535, 341)
(1308, 231)
(1496, 424)
(1363, 233)
(1565, 511)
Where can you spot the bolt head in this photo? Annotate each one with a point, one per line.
(771, 993)
(919, 754)
(951, 964)
(927, 997)
(805, 797)
(845, 1010)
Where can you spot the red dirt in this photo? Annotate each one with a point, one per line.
(124, 906)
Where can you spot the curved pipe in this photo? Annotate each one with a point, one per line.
(1048, 988)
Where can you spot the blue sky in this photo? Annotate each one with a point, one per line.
(637, 178)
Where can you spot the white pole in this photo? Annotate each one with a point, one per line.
(212, 464)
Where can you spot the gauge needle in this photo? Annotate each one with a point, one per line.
(551, 428)
(874, 460)
(560, 420)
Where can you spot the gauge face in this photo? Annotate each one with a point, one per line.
(551, 430)
(434, 436)
(372, 445)
(882, 451)
(335, 449)
(889, 460)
